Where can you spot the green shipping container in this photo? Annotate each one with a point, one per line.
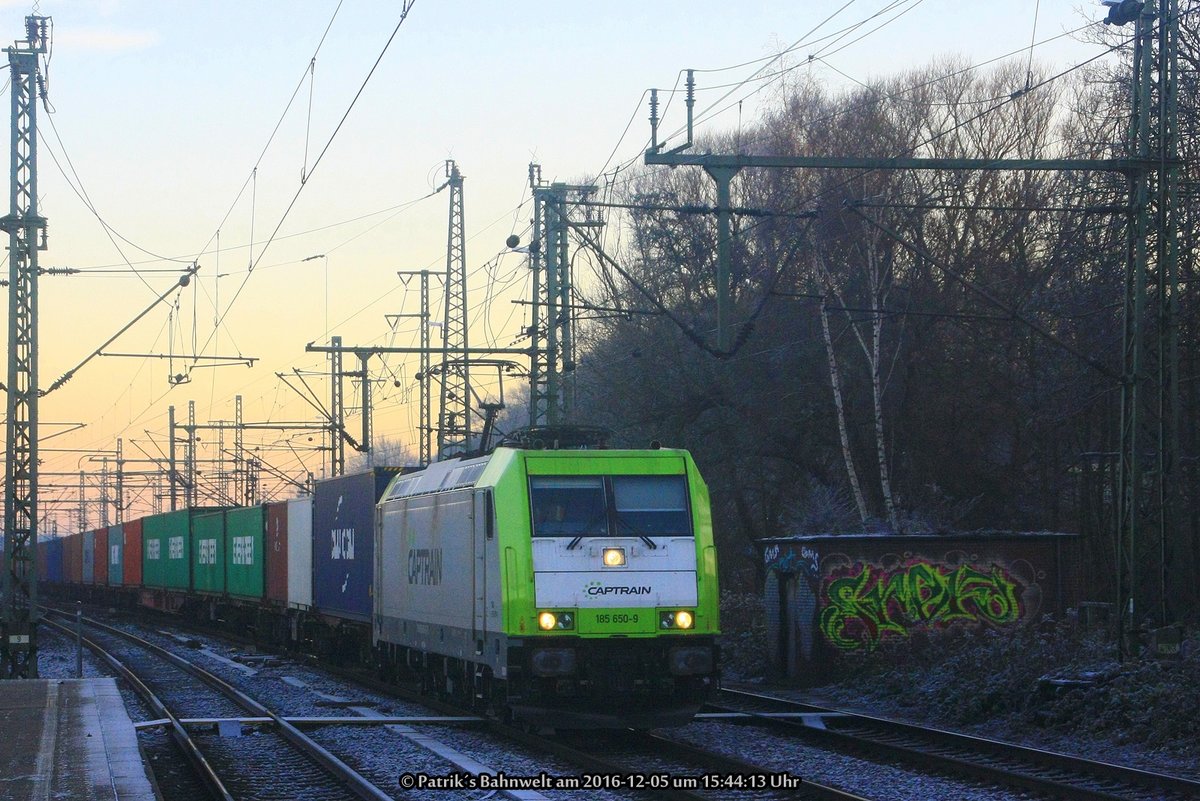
(208, 553)
(116, 555)
(166, 541)
(244, 573)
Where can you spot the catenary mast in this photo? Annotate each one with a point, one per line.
(26, 236)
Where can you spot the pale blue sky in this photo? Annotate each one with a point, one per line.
(163, 108)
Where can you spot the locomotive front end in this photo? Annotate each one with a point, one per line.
(619, 625)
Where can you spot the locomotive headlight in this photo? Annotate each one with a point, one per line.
(676, 620)
(614, 557)
(557, 620)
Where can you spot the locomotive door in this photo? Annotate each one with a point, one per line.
(483, 539)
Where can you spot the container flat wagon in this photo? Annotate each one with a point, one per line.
(576, 586)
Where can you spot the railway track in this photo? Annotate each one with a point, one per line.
(648, 757)
(987, 761)
(630, 753)
(647, 765)
(669, 769)
(626, 754)
(261, 767)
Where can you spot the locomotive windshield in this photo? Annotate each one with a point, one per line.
(568, 506)
(617, 506)
(651, 506)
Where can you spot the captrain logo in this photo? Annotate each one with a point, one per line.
(599, 588)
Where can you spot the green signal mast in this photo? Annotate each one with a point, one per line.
(26, 236)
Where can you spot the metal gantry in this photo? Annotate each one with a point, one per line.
(454, 428)
(1147, 489)
(552, 325)
(26, 236)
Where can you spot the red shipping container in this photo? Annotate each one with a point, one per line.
(276, 547)
(73, 559)
(100, 569)
(132, 558)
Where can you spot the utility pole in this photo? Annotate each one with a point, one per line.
(537, 362)
(190, 487)
(103, 521)
(172, 471)
(120, 512)
(1147, 487)
(365, 376)
(454, 427)
(337, 419)
(239, 447)
(551, 395)
(83, 521)
(26, 236)
(222, 476)
(424, 378)
(253, 467)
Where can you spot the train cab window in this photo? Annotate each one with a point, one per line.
(651, 506)
(568, 506)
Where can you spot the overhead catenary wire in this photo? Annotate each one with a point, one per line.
(616, 148)
(404, 12)
(274, 131)
(111, 232)
(795, 207)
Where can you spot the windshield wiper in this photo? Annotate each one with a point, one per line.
(573, 543)
(621, 523)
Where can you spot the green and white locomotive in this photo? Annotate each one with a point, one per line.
(565, 587)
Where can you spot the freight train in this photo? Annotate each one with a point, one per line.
(559, 586)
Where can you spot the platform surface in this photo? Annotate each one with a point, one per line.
(69, 739)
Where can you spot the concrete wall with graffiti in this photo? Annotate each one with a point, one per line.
(834, 597)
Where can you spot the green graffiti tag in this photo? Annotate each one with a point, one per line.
(862, 607)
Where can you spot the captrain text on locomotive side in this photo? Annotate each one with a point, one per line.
(558, 585)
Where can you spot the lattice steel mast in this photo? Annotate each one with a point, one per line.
(26, 236)
(454, 428)
(1147, 527)
(424, 376)
(552, 367)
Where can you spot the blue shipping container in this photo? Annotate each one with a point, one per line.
(344, 541)
(54, 560)
(89, 557)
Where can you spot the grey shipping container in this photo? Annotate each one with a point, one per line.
(344, 542)
(299, 557)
